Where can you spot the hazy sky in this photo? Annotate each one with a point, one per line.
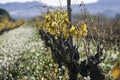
(51, 2)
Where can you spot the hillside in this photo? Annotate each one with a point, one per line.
(24, 10)
(4, 13)
(107, 7)
(31, 9)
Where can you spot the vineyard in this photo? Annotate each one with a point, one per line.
(50, 47)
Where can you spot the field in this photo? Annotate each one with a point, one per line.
(41, 49)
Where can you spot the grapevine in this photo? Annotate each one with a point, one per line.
(7, 24)
(56, 35)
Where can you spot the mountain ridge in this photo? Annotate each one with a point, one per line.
(24, 10)
(31, 9)
(107, 7)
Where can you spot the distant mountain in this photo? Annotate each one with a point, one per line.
(107, 7)
(24, 10)
(31, 9)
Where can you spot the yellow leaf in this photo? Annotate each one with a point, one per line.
(84, 33)
(66, 21)
(2, 25)
(48, 24)
(72, 28)
(54, 23)
(83, 27)
(47, 16)
(65, 14)
(73, 31)
(115, 73)
(56, 70)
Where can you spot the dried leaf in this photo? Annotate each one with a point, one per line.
(115, 73)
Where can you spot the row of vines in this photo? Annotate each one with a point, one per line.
(64, 44)
(7, 24)
(79, 52)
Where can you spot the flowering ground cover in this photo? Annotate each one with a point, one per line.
(23, 56)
